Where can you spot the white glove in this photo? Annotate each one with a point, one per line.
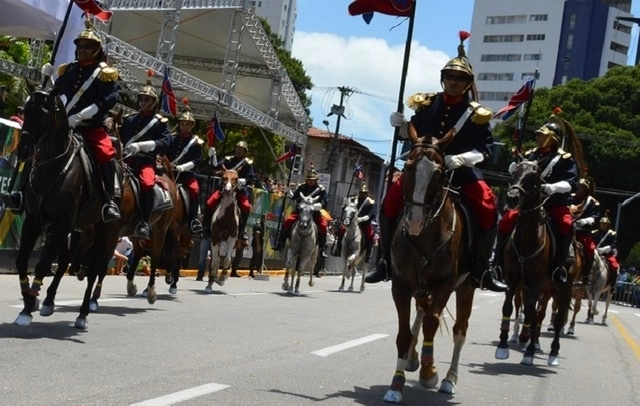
(83, 114)
(558, 187)
(512, 168)
(585, 222)
(317, 206)
(242, 182)
(604, 250)
(47, 69)
(133, 149)
(467, 159)
(212, 152)
(185, 167)
(362, 219)
(74, 120)
(396, 119)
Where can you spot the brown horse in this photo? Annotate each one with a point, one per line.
(527, 261)
(429, 258)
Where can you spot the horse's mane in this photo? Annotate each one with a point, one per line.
(573, 145)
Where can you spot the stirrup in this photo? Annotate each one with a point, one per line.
(559, 275)
(488, 281)
(12, 201)
(196, 227)
(142, 231)
(110, 212)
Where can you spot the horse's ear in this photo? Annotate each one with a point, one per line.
(444, 142)
(224, 168)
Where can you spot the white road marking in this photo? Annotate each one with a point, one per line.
(325, 352)
(78, 302)
(183, 395)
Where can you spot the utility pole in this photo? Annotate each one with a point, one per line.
(339, 111)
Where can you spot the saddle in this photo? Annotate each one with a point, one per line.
(162, 198)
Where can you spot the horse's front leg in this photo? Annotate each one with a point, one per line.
(402, 300)
(530, 317)
(464, 302)
(48, 305)
(564, 300)
(502, 351)
(29, 234)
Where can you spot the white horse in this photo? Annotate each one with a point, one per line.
(303, 245)
(352, 250)
(599, 284)
(224, 230)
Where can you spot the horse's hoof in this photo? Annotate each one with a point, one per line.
(23, 319)
(168, 279)
(551, 328)
(412, 365)
(93, 306)
(46, 310)
(311, 284)
(173, 290)
(447, 387)
(393, 396)
(570, 331)
(553, 361)
(502, 353)
(590, 322)
(350, 288)
(80, 275)
(132, 289)
(296, 292)
(151, 296)
(361, 288)
(208, 289)
(36, 305)
(285, 286)
(341, 289)
(604, 323)
(81, 323)
(514, 338)
(562, 330)
(144, 293)
(537, 347)
(430, 383)
(527, 360)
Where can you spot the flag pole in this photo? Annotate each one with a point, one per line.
(56, 44)
(525, 115)
(284, 201)
(403, 80)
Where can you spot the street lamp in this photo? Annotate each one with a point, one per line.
(637, 21)
(620, 206)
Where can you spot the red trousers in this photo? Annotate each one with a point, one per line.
(584, 238)
(241, 198)
(192, 187)
(479, 196)
(147, 177)
(613, 261)
(100, 143)
(319, 219)
(367, 231)
(559, 213)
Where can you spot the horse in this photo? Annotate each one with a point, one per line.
(600, 284)
(527, 258)
(352, 251)
(303, 245)
(224, 230)
(430, 259)
(63, 194)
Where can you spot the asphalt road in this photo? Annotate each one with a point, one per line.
(251, 343)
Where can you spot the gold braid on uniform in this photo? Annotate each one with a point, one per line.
(420, 101)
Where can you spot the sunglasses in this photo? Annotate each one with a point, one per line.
(85, 46)
(456, 78)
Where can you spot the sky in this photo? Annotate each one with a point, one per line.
(337, 49)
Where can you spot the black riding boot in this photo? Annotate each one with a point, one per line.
(559, 274)
(336, 248)
(368, 245)
(586, 271)
(322, 244)
(244, 217)
(194, 224)
(13, 198)
(281, 239)
(383, 270)
(498, 258)
(110, 210)
(482, 275)
(143, 229)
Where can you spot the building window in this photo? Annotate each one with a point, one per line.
(527, 75)
(504, 38)
(495, 96)
(517, 19)
(569, 42)
(532, 57)
(538, 17)
(572, 22)
(536, 37)
(501, 58)
(619, 48)
(617, 25)
(495, 76)
(612, 65)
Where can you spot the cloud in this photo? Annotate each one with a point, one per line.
(372, 67)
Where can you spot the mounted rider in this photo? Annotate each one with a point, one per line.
(310, 188)
(366, 213)
(242, 164)
(585, 210)
(606, 243)
(145, 131)
(185, 154)
(435, 115)
(89, 86)
(560, 174)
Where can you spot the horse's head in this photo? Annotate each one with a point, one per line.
(44, 113)
(422, 183)
(350, 214)
(306, 207)
(525, 190)
(229, 181)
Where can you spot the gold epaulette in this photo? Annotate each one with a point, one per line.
(613, 233)
(249, 161)
(62, 69)
(108, 73)
(370, 200)
(199, 140)
(161, 118)
(228, 157)
(481, 114)
(420, 101)
(531, 151)
(564, 154)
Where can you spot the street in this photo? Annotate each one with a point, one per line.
(251, 343)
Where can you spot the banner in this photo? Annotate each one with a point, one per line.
(10, 224)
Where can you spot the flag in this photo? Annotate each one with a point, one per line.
(214, 132)
(289, 154)
(366, 8)
(358, 172)
(93, 7)
(169, 102)
(519, 98)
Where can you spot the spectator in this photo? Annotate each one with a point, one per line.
(123, 255)
(621, 285)
(18, 117)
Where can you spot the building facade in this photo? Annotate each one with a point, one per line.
(562, 40)
(281, 16)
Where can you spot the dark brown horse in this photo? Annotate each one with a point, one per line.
(61, 196)
(429, 257)
(527, 265)
(178, 242)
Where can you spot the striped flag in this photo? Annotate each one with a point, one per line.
(366, 8)
(93, 7)
(289, 154)
(169, 102)
(214, 132)
(359, 172)
(518, 99)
